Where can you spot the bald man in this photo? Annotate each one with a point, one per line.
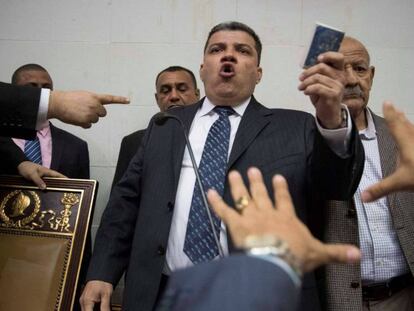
(384, 230)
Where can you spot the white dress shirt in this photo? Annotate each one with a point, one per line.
(381, 255)
(203, 120)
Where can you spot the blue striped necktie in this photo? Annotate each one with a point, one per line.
(199, 244)
(32, 151)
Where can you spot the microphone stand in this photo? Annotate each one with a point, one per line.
(160, 118)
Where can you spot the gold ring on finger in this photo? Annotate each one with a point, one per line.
(242, 203)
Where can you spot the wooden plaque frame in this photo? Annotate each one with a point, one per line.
(42, 240)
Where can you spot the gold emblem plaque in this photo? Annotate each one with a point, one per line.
(42, 239)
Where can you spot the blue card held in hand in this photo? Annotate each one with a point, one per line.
(325, 38)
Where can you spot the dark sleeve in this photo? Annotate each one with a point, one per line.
(129, 146)
(11, 156)
(122, 163)
(238, 282)
(18, 110)
(337, 178)
(115, 233)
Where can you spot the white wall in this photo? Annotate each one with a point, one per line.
(120, 46)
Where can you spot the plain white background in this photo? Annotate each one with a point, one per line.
(120, 46)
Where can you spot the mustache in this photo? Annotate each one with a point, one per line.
(353, 91)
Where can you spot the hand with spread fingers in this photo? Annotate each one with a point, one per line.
(324, 83)
(403, 178)
(256, 215)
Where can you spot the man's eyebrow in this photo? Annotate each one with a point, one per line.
(220, 44)
(243, 44)
(165, 86)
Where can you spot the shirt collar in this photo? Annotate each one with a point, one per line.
(44, 131)
(369, 132)
(207, 107)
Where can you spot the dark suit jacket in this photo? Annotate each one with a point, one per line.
(129, 147)
(340, 286)
(70, 155)
(11, 156)
(18, 110)
(239, 282)
(134, 229)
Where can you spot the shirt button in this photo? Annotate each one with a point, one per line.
(161, 250)
(351, 213)
(170, 206)
(354, 284)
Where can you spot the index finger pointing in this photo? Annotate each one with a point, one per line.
(112, 99)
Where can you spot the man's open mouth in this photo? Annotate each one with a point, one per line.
(227, 70)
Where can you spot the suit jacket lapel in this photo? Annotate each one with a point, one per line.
(387, 150)
(253, 121)
(57, 148)
(186, 115)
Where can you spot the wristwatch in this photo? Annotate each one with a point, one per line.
(271, 245)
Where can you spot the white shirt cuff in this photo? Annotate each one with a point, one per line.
(338, 139)
(43, 109)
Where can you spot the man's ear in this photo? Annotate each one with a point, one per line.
(156, 99)
(372, 73)
(259, 74)
(201, 72)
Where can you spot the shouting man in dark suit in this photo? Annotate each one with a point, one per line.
(175, 86)
(155, 222)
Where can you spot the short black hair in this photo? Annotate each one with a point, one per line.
(174, 69)
(26, 67)
(237, 26)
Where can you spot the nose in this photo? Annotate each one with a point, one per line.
(229, 56)
(351, 77)
(174, 96)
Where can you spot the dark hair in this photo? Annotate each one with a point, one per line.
(174, 69)
(26, 67)
(234, 26)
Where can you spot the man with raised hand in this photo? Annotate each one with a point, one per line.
(155, 221)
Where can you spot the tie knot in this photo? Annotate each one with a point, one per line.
(224, 111)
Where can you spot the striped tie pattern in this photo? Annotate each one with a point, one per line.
(199, 244)
(32, 151)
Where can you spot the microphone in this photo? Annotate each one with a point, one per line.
(160, 118)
